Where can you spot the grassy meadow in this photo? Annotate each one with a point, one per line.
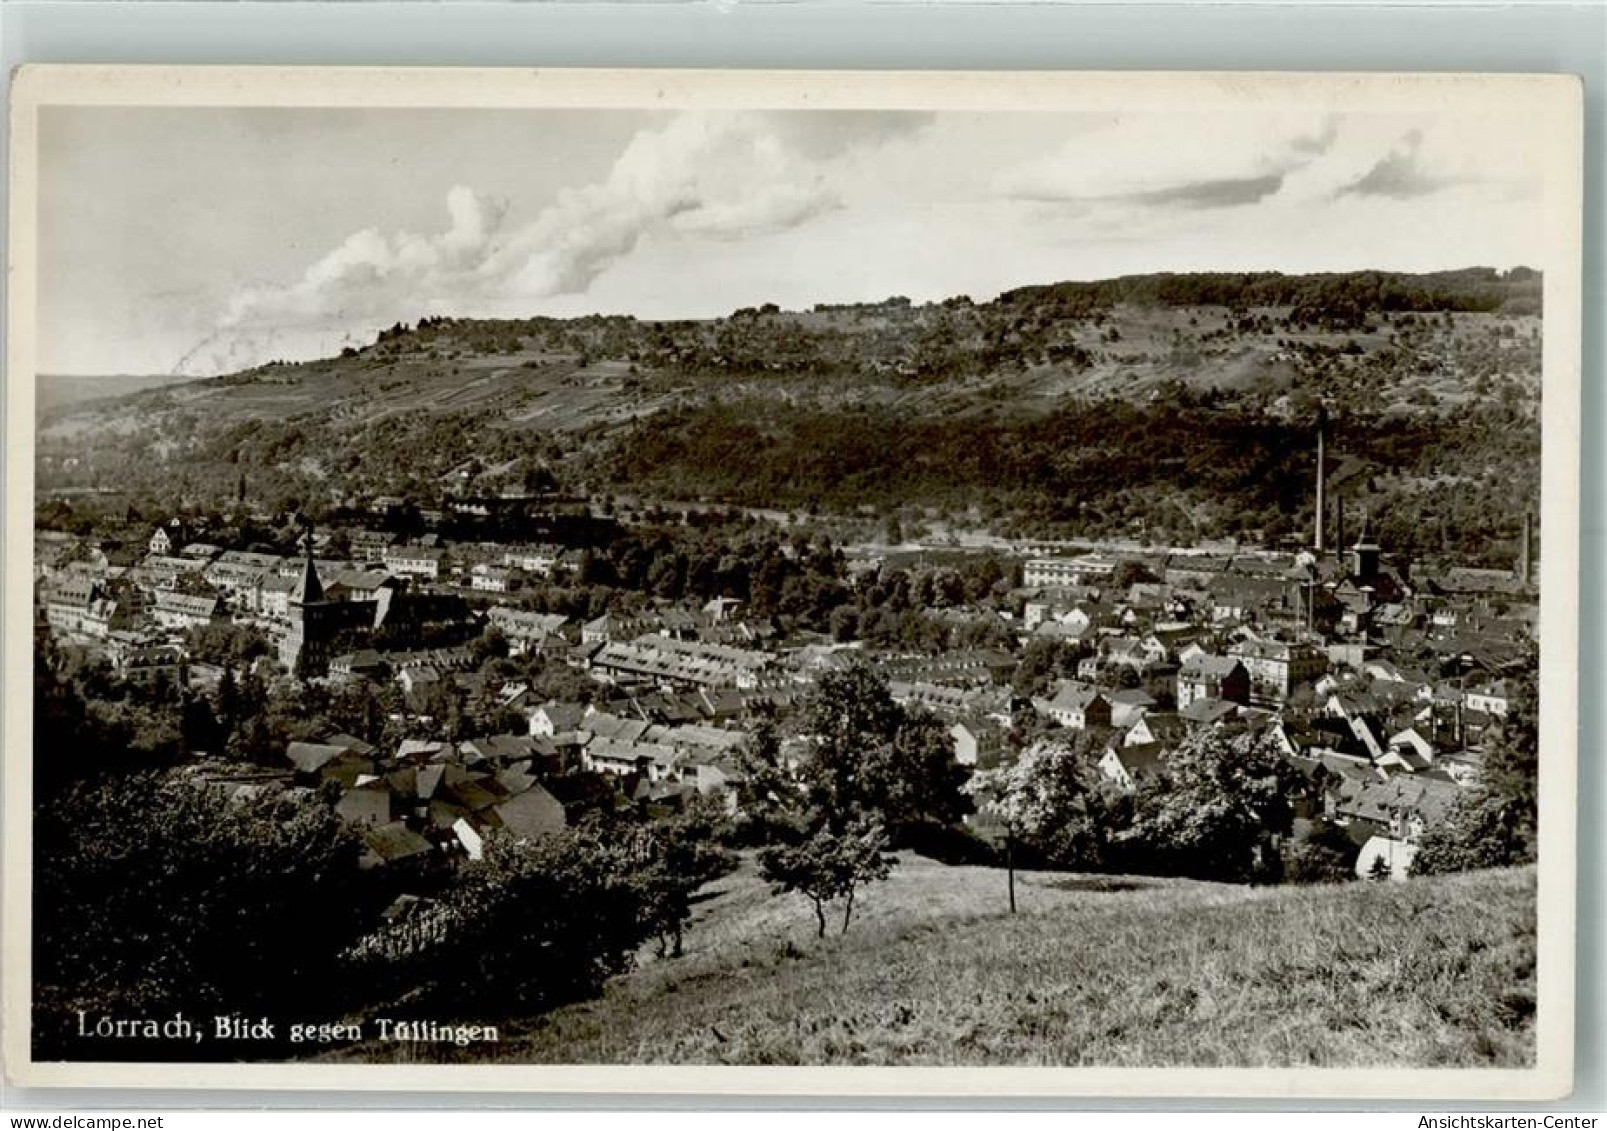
(1094, 970)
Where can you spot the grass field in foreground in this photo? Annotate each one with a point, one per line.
(1094, 970)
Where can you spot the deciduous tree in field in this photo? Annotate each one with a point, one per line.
(1044, 800)
(831, 865)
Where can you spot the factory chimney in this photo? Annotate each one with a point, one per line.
(1524, 567)
(1322, 483)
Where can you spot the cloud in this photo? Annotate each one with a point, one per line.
(1228, 192)
(1176, 162)
(706, 175)
(1315, 145)
(1399, 174)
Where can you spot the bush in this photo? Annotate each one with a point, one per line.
(533, 924)
(947, 844)
(1324, 856)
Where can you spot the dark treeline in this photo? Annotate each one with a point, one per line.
(1183, 467)
(1482, 289)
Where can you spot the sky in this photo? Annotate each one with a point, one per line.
(205, 240)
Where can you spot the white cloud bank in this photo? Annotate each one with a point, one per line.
(711, 176)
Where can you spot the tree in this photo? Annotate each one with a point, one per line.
(869, 754)
(766, 791)
(849, 712)
(1042, 800)
(1493, 824)
(1213, 809)
(1042, 663)
(490, 644)
(831, 865)
(168, 893)
(914, 778)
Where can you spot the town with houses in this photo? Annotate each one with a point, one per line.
(1377, 677)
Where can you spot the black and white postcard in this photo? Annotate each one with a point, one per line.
(792, 582)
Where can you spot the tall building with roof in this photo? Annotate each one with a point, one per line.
(316, 623)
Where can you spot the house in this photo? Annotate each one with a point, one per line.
(1410, 739)
(612, 627)
(1128, 765)
(273, 596)
(655, 761)
(366, 803)
(539, 560)
(421, 750)
(1127, 707)
(496, 579)
(531, 813)
(1212, 677)
(358, 585)
(328, 761)
(368, 545)
(1049, 573)
(1076, 706)
(1492, 699)
(966, 751)
(1397, 856)
(551, 719)
(1235, 597)
(501, 749)
(1202, 714)
(1401, 807)
(719, 609)
(680, 663)
(415, 561)
(152, 665)
(1165, 642)
(1156, 727)
(160, 571)
(237, 573)
(173, 609)
(1123, 651)
(67, 604)
(961, 667)
(365, 663)
(390, 844)
(525, 631)
(1276, 667)
(168, 537)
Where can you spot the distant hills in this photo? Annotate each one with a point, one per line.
(55, 391)
(1061, 408)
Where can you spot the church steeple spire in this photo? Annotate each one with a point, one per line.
(309, 590)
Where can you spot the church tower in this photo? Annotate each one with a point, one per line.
(1364, 555)
(306, 601)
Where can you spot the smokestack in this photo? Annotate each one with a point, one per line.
(1322, 502)
(1523, 548)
